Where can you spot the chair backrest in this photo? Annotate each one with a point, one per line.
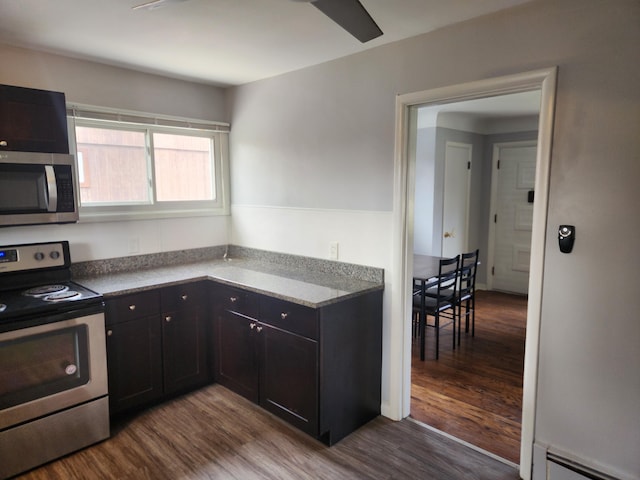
(468, 269)
(448, 278)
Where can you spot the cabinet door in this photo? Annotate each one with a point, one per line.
(289, 377)
(134, 360)
(184, 336)
(236, 366)
(184, 349)
(32, 120)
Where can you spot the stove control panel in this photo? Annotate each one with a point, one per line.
(35, 256)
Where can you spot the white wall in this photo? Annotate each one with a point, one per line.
(106, 86)
(99, 240)
(322, 138)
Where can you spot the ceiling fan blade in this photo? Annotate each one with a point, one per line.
(352, 16)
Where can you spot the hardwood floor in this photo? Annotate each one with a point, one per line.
(475, 392)
(216, 434)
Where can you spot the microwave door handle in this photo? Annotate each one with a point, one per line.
(52, 189)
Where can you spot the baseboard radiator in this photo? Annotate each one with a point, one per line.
(581, 471)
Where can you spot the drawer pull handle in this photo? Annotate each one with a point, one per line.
(167, 318)
(109, 333)
(132, 307)
(3, 143)
(184, 297)
(233, 299)
(284, 315)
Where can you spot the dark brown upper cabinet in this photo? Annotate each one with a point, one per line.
(32, 120)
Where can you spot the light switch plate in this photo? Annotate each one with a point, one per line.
(333, 250)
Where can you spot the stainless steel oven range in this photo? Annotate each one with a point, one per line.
(53, 374)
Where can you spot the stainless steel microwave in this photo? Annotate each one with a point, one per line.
(37, 188)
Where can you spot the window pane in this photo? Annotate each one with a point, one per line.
(183, 167)
(114, 166)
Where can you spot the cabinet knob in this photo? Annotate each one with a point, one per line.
(132, 307)
(233, 299)
(168, 318)
(184, 296)
(3, 143)
(252, 325)
(284, 315)
(258, 329)
(109, 333)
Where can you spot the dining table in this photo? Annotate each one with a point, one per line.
(425, 267)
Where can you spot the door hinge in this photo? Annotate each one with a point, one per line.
(498, 165)
(493, 270)
(495, 218)
(468, 165)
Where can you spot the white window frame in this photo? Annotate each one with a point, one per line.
(92, 116)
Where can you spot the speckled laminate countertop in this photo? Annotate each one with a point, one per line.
(298, 285)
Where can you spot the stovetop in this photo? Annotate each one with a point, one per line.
(35, 282)
(39, 300)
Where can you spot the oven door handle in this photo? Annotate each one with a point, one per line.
(52, 189)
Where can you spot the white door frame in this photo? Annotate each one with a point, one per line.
(402, 236)
(494, 201)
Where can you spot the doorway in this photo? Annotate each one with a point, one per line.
(404, 208)
(443, 392)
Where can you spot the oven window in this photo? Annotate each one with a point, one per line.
(40, 365)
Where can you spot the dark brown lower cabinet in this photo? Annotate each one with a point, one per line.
(156, 345)
(134, 359)
(236, 355)
(289, 377)
(318, 369)
(184, 337)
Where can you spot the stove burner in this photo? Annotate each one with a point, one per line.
(62, 296)
(45, 290)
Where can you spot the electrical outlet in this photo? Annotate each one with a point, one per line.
(333, 250)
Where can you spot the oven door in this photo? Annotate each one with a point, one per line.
(50, 367)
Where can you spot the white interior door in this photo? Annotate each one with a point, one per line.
(457, 182)
(515, 169)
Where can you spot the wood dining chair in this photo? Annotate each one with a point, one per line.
(437, 299)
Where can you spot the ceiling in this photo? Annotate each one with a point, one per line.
(219, 42)
(479, 115)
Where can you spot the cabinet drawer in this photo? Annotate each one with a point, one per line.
(183, 296)
(289, 316)
(239, 301)
(127, 307)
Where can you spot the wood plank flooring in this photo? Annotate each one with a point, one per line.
(216, 434)
(475, 392)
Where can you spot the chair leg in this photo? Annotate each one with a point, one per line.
(459, 321)
(437, 335)
(454, 328)
(466, 316)
(422, 326)
(473, 316)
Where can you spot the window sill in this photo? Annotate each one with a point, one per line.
(111, 216)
